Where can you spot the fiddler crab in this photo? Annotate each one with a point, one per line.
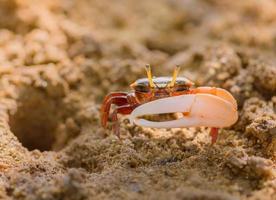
(202, 106)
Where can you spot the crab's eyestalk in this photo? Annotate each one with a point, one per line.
(175, 73)
(148, 70)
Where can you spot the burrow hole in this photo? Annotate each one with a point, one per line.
(36, 120)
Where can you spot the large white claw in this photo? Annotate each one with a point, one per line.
(204, 110)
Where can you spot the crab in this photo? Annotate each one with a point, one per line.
(196, 106)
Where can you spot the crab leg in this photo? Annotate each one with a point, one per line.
(126, 109)
(125, 103)
(118, 99)
(214, 135)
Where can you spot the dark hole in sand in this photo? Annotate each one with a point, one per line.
(36, 120)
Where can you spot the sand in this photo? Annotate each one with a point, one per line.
(58, 59)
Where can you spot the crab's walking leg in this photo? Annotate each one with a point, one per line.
(118, 99)
(125, 104)
(214, 134)
(113, 94)
(126, 109)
